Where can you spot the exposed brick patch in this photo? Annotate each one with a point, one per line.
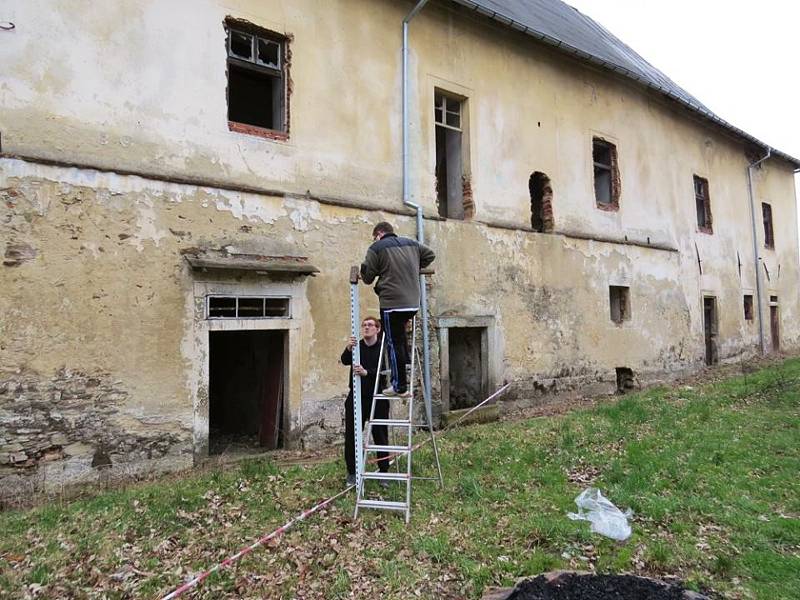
(469, 202)
(65, 425)
(258, 131)
(541, 191)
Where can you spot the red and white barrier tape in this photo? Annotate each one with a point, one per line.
(247, 550)
(283, 528)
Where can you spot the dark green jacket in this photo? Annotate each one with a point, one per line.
(396, 262)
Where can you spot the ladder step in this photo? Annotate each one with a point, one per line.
(385, 476)
(377, 448)
(384, 504)
(392, 422)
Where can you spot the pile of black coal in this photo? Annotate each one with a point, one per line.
(575, 586)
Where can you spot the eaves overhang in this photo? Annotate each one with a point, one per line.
(562, 17)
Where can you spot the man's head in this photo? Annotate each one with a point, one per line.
(381, 229)
(370, 327)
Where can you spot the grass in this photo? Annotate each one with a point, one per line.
(711, 473)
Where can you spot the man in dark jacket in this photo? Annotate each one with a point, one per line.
(370, 349)
(396, 262)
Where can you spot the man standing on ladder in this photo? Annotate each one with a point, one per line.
(369, 352)
(396, 262)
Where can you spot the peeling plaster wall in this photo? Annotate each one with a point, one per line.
(103, 342)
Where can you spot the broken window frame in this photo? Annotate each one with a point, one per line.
(441, 104)
(611, 168)
(453, 193)
(277, 71)
(769, 231)
(702, 201)
(623, 302)
(285, 302)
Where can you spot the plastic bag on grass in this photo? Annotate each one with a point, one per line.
(606, 518)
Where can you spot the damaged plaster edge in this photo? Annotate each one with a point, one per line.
(10, 160)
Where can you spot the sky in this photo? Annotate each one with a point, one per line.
(740, 58)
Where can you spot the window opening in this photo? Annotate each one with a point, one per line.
(769, 236)
(748, 307)
(247, 307)
(541, 192)
(448, 115)
(619, 299)
(625, 380)
(702, 204)
(606, 174)
(256, 79)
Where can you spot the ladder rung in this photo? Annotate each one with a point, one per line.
(385, 504)
(385, 476)
(392, 422)
(385, 397)
(377, 448)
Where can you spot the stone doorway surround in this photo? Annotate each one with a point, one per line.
(489, 367)
(248, 276)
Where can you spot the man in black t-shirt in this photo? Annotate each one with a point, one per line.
(369, 348)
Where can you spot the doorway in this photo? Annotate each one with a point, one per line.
(710, 329)
(775, 323)
(246, 389)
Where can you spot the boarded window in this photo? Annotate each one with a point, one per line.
(541, 192)
(769, 235)
(702, 204)
(448, 116)
(247, 307)
(619, 300)
(748, 307)
(606, 174)
(256, 77)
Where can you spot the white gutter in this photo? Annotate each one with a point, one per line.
(423, 292)
(756, 257)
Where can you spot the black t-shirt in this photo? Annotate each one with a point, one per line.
(369, 360)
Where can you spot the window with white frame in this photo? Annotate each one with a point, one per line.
(448, 118)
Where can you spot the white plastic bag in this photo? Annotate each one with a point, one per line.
(606, 518)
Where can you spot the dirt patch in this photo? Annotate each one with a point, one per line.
(572, 586)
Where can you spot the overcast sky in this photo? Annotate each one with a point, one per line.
(738, 57)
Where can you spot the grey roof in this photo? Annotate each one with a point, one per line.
(567, 29)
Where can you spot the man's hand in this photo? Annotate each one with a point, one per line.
(359, 370)
(351, 343)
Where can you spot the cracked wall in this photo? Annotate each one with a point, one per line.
(101, 320)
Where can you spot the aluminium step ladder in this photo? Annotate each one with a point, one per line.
(399, 450)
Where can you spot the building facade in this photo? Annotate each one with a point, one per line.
(186, 184)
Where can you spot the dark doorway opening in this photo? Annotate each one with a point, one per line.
(775, 327)
(710, 329)
(246, 381)
(466, 369)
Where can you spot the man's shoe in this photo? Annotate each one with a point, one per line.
(390, 391)
(351, 480)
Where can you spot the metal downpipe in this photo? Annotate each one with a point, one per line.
(423, 292)
(756, 259)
